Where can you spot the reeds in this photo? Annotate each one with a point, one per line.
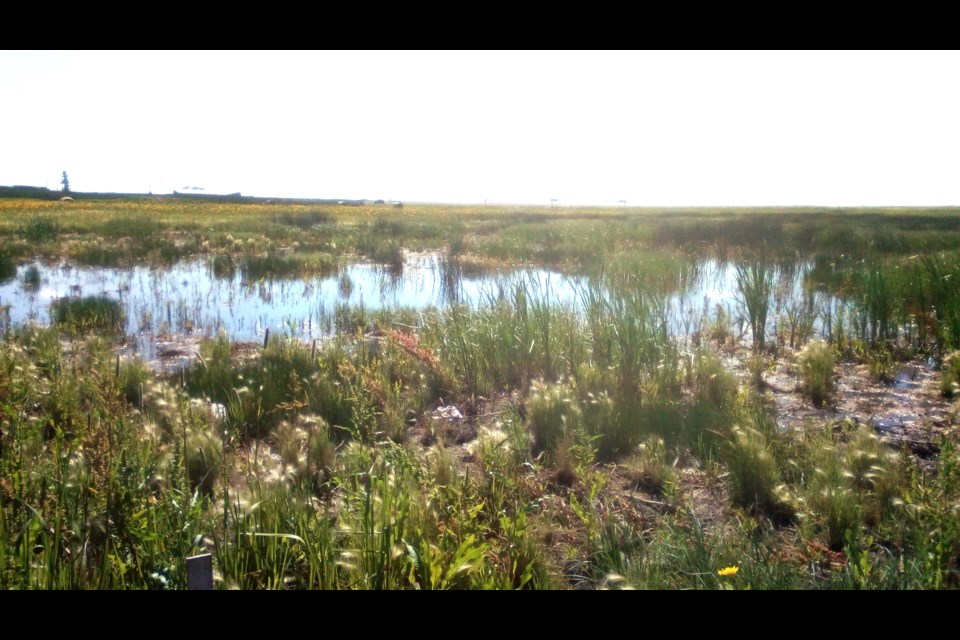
(755, 283)
(89, 314)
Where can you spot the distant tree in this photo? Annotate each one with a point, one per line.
(65, 182)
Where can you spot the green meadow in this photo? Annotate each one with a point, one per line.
(507, 442)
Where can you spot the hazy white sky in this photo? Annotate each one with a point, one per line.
(651, 128)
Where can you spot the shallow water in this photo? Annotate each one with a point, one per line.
(188, 301)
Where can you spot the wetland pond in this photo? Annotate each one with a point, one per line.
(169, 310)
(169, 306)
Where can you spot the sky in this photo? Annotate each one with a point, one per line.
(702, 128)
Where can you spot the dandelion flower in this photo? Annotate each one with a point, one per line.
(728, 571)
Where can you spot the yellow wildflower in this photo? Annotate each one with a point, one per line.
(728, 571)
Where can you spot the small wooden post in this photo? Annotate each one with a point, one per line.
(266, 336)
(200, 572)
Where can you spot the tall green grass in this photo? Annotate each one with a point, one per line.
(817, 362)
(755, 284)
(89, 314)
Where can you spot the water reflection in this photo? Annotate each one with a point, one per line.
(202, 297)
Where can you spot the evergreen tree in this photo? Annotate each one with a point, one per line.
(65, 182)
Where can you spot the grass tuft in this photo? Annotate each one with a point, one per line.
(89, 314)
(817, 363)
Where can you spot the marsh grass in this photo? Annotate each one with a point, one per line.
(939, 299)
(799, 322)
(878, 299)
(304, 219)
(203, 459)
(566, 236)
(817, 364)
(754, 472)
(720, 327)
(212, 374)
(390, 255)
(950, 381)
(836, 505)
(40, 229)
(254, 268)
(8, 266)
(873, 470)
(223, 266)
(755, 282)
(882, 365)
(892, 303)
(30, 280)
(274, 540)
(552, 414)
(271, 527)
(89, 314)
(344, 285)
(651, 470)
(111, 474)
(145, 227)
(131, 378)
(713, 383)
(383, 242)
